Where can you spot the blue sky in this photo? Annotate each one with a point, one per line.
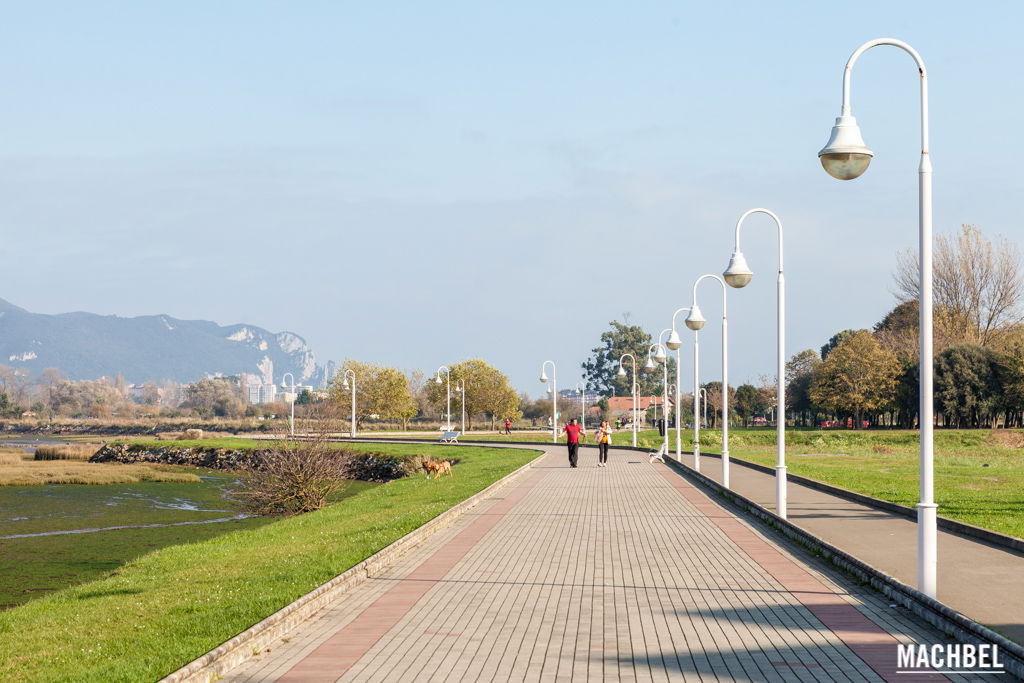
(452, 180)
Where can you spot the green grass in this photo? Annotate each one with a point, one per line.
(163, 609)
(884, 464)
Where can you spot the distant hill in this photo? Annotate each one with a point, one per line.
(150, 347)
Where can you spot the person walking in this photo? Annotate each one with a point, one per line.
(508, 425)
(604, 440)
(572, 433)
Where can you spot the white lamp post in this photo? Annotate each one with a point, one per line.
(695, 321)
(846, 157)
(448, 392)
(622, 373)
(460, 388)
(554, 396)
(738, 274)
(658, 354)
(291, 399)
(581, 391)
(675, 343)
(345, 385)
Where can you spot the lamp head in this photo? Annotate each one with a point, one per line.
(543, 376)
(549, 391)
(695, 320)
(621, 372)
(344, 383)
(437, 379)
(845, 156)
(674, 342)
(659, 354)
(738, 274)
(649, 365)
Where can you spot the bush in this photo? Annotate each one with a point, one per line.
(66, 452)
(376, 467)
(10, 459)
(294, 478)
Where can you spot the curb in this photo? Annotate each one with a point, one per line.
(931, 611)
(212, 665)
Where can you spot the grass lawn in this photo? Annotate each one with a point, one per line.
(884, 464)
(165, 608)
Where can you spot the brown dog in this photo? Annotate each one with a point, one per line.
(437, 468)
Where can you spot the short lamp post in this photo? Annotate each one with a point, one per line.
(622, 373)
(581, 391)
(460, 388)
(695, 321)
(290, 396)
(846, 157)
(554, 396)
(345, 385)
(448, 393)
(675, 343)
(738, 274)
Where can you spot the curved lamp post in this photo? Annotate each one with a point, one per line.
(448, 393)
(846, 157)
(292, 397)
(581, 391)
(658, 354)
(345, 385)
(554, 396)
(695, 321)
(460, 388)
(622, 373)
(738, 274)
(675, 343)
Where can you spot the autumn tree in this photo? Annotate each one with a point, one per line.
(976, 280)
(381, 391)
(214, 396)
(487, 391)
(600, 371)
(858, 376)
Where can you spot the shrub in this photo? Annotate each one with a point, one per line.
(293, 478)
(66, 452)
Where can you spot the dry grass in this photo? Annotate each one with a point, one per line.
(8, 458)
(67, 451)
(32, 472)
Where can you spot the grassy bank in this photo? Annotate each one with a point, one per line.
(165, 608)
(979, 473)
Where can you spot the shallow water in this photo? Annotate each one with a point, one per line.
(125, 526)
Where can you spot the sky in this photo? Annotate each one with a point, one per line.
(416, 183)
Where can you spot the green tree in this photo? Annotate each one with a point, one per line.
(835, 341)
(748, 403)
(380, 390)
(800, 372)
(487, 391)
(966, 389)
(858, 376)
(600, 371)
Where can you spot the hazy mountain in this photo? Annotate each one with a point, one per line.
(150, 347)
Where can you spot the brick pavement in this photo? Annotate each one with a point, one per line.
(624, 573)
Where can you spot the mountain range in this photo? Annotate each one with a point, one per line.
(149, 347)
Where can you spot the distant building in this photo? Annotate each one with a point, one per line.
(261, 393)
(622, 406)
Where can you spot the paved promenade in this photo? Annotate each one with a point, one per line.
(619, 573)
(982, 581)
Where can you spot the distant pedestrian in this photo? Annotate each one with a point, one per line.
(572, 433)
(508, 425)
(604, 440)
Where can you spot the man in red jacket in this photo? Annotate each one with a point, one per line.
(572, 433)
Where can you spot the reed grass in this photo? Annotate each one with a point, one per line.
(36, 472)
(66, 451)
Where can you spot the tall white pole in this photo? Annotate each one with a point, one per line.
(554, 396)
(292, 402)
(927, 510)
(448, 394)
(635, 389)
(725, 368)
(780, 377)
(679, 383)
(352, 426)
(696, 402)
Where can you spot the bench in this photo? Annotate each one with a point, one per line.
(450, 437)
(659, 455)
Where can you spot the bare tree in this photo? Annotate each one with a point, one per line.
(976, 280)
